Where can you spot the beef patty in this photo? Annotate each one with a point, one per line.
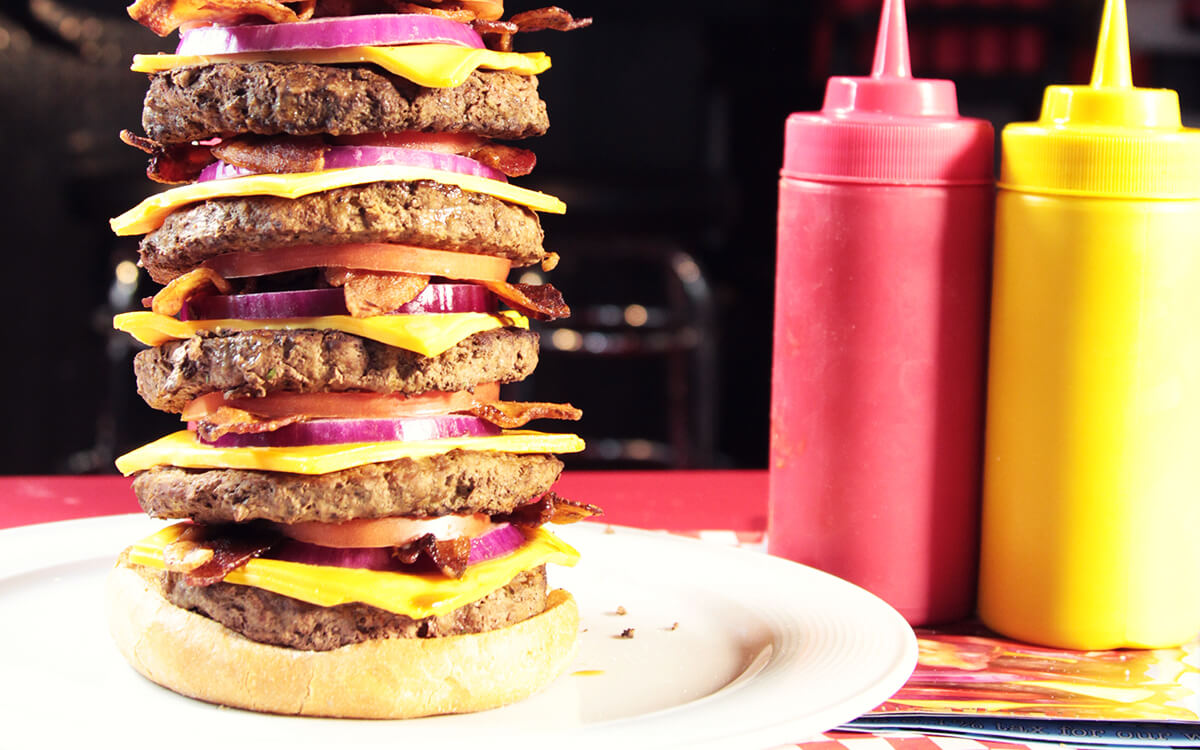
(257, 363)
(460, 481)
(279, 620)
(423, 213)
(225, 99)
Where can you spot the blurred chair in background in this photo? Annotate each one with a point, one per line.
(638, 354)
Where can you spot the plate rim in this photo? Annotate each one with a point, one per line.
(669, 721)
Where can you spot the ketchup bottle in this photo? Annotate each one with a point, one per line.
(881, 303)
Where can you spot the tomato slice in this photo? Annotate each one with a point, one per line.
(344, 405)
(386, 532)
(374, 256)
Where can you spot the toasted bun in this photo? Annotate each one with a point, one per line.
(381, 679)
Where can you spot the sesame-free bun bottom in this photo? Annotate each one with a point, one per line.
(393, 678)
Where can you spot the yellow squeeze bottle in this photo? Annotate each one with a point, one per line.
(1091, 509)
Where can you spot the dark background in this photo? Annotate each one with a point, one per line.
(665, 142)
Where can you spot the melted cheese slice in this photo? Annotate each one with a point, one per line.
(150, 213)
(184, 450)
(417, 596)
(428, 335)
(430, 65)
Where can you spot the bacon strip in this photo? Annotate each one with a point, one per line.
(170, 165)
(227, 419)
(510, 160)
(498, 35)
(206, 554)
(449, 555)
(164, 16)
(549, 508)
(513, 414)
(380, 292)
(462, 15)
(376, 292)
(171, 298)
(274, 155)
(540, 301)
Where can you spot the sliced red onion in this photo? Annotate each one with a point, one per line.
(371, 558)
(328, 33)
(496, 543)
(219, 170)
(311, 303)
(342, 157)
(303, 303)
(451, 298)
(337, 431)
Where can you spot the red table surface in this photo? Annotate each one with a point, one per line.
(672, 500)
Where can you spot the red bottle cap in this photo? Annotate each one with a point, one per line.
(889, 128)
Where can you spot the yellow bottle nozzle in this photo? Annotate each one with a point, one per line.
(1111, 69)
(1112, 100)
(1109, 138)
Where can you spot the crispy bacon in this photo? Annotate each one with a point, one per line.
(513, 414)
(450, 555)
(541, 301)
(183, 162)
(549, 508)
(512, 161)
(205, 554)
(227, 419)
(171, 298)
(461, 15)
(274, 155)
(375, 292)
(498, 35)
(170, 165)
(164, 16)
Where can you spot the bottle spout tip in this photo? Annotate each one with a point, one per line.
(1112, 68)
(891, 46)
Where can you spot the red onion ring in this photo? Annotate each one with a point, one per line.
(376, 30)
(343, 157)
(311, 303)
(496, 543)
(339, 431)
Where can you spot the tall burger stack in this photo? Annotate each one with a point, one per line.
(358, 517)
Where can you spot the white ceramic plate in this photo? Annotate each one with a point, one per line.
(765, 652)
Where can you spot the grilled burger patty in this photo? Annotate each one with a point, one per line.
(423, 213)
(282, 621)
(257, 363)
(460, 481)
(225, 99)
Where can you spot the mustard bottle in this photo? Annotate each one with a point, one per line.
(1091, 508)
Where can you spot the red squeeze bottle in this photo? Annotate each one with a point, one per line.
(881, 301)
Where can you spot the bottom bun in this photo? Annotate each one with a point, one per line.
(393, 678)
